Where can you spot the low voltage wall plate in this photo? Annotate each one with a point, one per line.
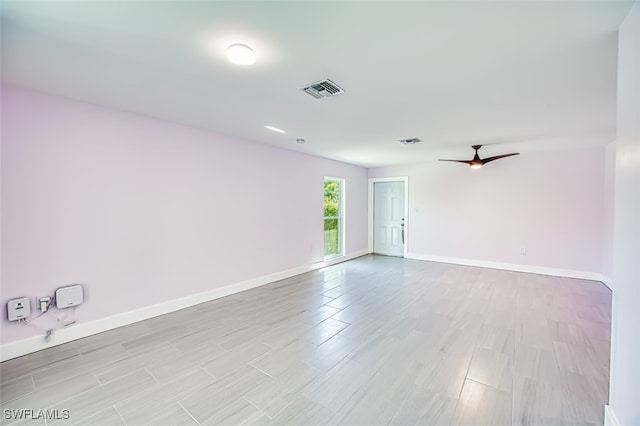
(67, 297)
(18, 309)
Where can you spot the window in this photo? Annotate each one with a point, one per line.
(333, 217)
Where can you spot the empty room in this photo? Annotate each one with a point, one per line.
(314, 213)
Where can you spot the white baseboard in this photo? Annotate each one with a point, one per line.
(557, 272)
(607, 281)
(609, 417)
(81, 330)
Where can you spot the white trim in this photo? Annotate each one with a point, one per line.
(609, 417)
(404, 179)
(79, 331)
(542, 270)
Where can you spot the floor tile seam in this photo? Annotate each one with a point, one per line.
(94, 388)
(152, 376)
(260, 409)
(190, 326)
(174, 346)
(334, 413)
(266, 344)
(64, 400)
(257, 368)
(481, 382)
(119, 414)
(113, 365)
(23, 395)
(100, 383)
(31, 372)
(195, 394)
(40, 369)
(73, 396)
(399, 405)
(377, 368)
(33, 383)
(188, 413)
(487, 385)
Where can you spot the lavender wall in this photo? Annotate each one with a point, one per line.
(549, 202)
(609, 189)
(143, 211)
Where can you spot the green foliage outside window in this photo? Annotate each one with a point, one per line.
(331, 198)
(331, 210)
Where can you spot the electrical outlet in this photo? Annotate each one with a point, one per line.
(43, 303)
(523, 251)
(18, 309)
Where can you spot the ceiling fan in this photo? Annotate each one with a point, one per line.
(478, 162)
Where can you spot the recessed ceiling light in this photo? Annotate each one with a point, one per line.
(275, 129)
(300, 140)
(241, 54)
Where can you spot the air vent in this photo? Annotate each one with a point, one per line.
(411, 141)
(323, 89)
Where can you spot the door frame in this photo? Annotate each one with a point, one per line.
(372, 181)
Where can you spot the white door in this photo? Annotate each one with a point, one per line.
(388, 218)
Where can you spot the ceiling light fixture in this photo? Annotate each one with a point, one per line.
(241, 54)
(300, 141)
(275, 129)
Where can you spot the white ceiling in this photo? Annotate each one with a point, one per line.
(519, 75)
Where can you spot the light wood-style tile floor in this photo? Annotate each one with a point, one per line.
(376, 340)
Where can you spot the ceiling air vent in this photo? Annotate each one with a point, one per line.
(411, 141)
(323, 89)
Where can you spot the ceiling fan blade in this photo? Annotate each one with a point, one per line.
(457, 161)
(497, 157)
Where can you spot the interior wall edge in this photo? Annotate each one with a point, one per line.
(36, 343)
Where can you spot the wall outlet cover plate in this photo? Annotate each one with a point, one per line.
(19, 308)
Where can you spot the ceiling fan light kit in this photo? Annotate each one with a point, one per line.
(478, 162)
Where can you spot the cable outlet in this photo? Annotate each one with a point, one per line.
(43, 303)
